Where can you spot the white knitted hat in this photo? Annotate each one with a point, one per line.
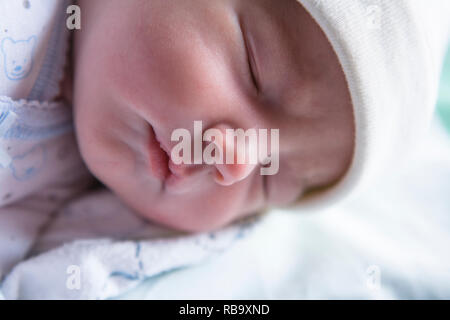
(391, 54)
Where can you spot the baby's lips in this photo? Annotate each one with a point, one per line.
(158, 166)
(184, 178)
(179, 170)
(158, 157)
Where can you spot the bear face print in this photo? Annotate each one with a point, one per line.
(27, 165)
(18, 57)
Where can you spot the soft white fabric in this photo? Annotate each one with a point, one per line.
(36, 132)
(40, 166)
(122, 251)
(391, 53)
(32, 48)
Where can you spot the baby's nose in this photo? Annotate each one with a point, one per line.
(229, 173)
(18, 68)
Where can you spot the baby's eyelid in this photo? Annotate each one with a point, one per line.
(251, 59)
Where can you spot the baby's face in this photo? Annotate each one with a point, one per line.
(145, 68)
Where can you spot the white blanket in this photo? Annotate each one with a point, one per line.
(118, 251)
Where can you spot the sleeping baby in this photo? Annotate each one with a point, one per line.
(348, 85)
(144, 69)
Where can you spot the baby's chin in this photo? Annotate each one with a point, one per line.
(186, 215)
(191, 221)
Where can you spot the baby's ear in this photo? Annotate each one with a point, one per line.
(6, 44)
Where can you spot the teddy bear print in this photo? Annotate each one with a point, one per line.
(26, 165)
(18, 57)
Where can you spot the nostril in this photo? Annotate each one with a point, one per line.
(226, 175)
(219, 177)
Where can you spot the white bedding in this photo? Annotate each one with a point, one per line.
(391, 243)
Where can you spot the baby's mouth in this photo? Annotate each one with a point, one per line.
(17, 74)
(175, 178)
(161, 165)
(158, 158)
